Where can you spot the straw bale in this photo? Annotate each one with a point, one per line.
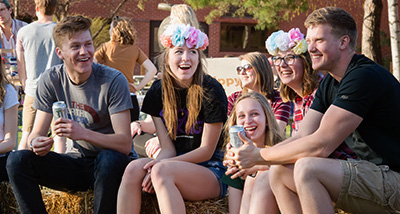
(8, 203)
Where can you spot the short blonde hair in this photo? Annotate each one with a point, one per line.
(68, 26)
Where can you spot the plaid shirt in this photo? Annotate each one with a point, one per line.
(301, 106)
(281, 110)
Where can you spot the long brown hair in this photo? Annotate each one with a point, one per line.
(3, 82)
(170, 97)
(264, 76)
(273, 133)
(309, 84)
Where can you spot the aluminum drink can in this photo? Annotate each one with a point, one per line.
(233, 135)
(59, 110)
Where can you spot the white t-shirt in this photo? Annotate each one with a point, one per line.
(10, 100)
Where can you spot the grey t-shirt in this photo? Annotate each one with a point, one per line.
(90, 104)
(36, 40)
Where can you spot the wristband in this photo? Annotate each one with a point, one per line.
(30, 146)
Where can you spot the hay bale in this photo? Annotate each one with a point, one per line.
(59, 202)
(8, 204)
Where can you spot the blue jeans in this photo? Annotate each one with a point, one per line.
(66, 172)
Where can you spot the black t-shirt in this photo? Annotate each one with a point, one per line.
(213, 110)
(371, 92)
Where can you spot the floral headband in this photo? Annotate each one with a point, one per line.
(176, 34)
(283, 41)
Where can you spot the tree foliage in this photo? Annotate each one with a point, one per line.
(268, 13)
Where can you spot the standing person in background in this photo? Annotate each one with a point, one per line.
(255, 74)
(9, 26)
(188, 108)
(8, 122)
(36, 52)
(122, 53)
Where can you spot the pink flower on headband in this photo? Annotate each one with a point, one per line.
(179, 34)
(166, 40)
(205, 43)
(295, 36)
(192, 38)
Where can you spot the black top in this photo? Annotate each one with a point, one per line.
(371, 92)
(213, 110)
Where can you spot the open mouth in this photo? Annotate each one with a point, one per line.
(184, 67)
(83, 59)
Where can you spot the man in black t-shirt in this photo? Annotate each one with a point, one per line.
(358, 98)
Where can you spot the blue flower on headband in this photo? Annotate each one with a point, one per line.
(271, 43)
(283, 41)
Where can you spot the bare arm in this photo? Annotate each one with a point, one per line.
(41, 144)
(21, 63)
(119, 141)
(150, 72)
(10, 129)
(146, 125)
(336, 125)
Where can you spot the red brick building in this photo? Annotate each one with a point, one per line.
(224, 33)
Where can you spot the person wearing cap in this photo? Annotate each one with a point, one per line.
(9, 26)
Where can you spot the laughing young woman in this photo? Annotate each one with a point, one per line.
(188, 109)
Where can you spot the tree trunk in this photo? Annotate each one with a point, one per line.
(111, 16)
(394, 36)
(16, 2)
(370, 42)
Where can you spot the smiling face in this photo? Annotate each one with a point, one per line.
(77, 54)
(183, 62)
(324, 47)
(5, 14)
(250, 114)
(248, 77)
(291, 75)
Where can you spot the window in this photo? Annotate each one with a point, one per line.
(242, 38)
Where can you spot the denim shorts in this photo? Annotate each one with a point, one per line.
(216, 166)
(368, 188)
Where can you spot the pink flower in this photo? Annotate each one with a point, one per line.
(205, 43)
(192, 39)
(166, 40)
(295, 36)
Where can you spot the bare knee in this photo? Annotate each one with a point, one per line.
(161, 173)
(305, 169)
(134, 172)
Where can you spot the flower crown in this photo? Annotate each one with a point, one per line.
(283, 41)
(176, 34)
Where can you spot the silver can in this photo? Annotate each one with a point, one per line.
(234, 137)
(59, 110)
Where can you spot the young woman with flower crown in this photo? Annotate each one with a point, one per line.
(298, 83)
(188, 109)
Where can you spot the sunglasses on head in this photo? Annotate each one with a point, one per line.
(246, 67)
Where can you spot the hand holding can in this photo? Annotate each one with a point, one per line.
(59, 110)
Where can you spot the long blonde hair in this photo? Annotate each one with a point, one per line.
(273, 134)
(171, 99)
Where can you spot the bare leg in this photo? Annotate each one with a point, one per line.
(262, 198)
(235, 200)
(174, 181)
(318, 182)
(284, 189)
(130, 190)
(247, 195)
